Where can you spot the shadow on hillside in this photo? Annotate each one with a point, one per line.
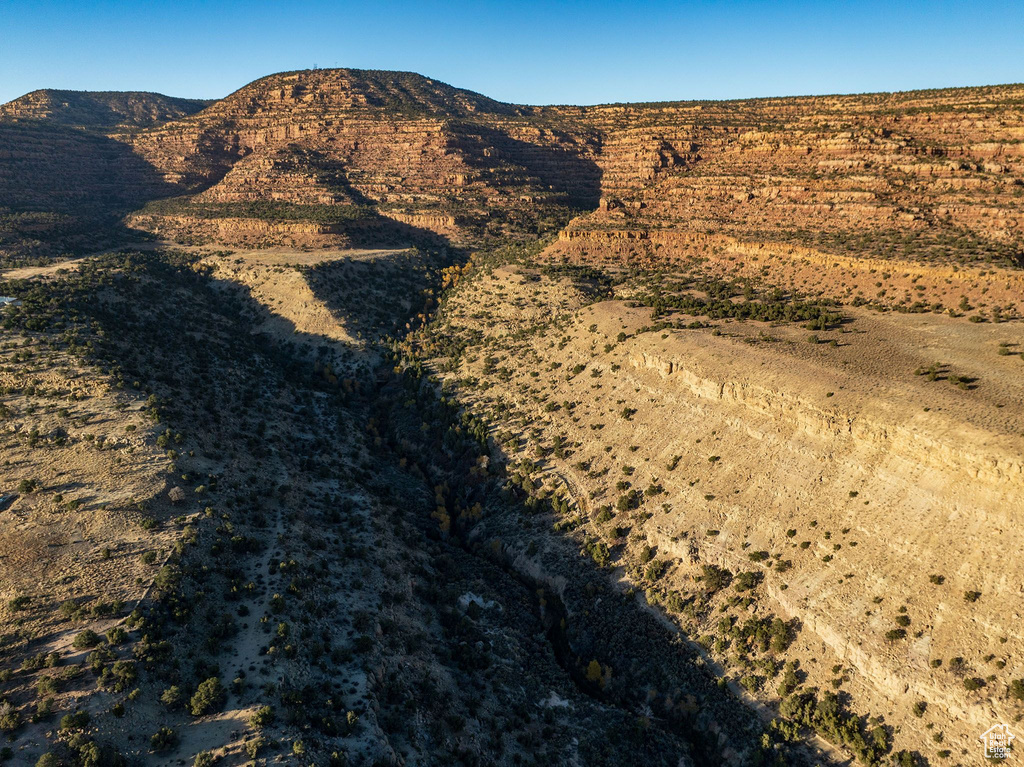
(588, 614)
(560, 168)
(378, 295)
(64, 189)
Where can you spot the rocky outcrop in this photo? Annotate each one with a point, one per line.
(930, 177)
(100, 109)
(915, 284)
(877, 509)
(410, 146)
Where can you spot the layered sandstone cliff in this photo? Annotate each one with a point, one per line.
(930, 177)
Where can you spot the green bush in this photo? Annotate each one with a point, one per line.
(163, 739)
(120, 676)
(10, 718)
(171, 697)
(86, 639)
(262, 717)
(209, 697)
(746, 581)
(627, 501)
(655, 570)
(752, 683)
(76, 721)
(715, 578)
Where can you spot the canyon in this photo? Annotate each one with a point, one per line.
(431, 427)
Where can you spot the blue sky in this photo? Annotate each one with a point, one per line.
(526, 52)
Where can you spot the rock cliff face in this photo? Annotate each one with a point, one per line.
(931, 178)
(404, 144)
(927, 177)
(932, 165)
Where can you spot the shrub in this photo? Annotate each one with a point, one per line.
(655, 570)
(86, 639)
(715, 578)
(627, 501)
(254, 746)
(76, 721)
(973, 683)
(163, 739)
(10, 718)
(1017, 689)
(120, 676)
(746, 581)
(972, 596)
(262, 717)
(166, 578)
(46, 686)
(598, 551)
(209, 696)
(780, 636)
(752, 683)
(790, 680)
